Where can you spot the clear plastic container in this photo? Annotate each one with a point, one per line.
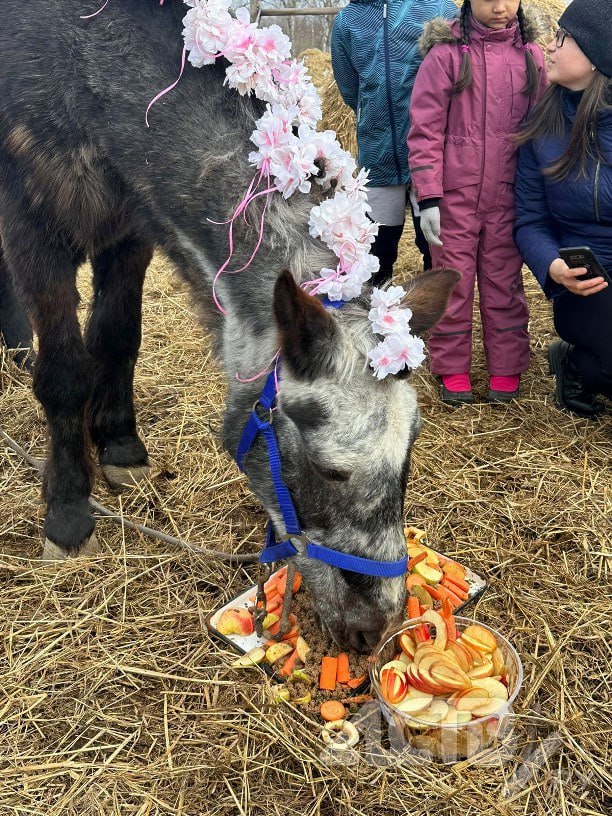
(448, 743)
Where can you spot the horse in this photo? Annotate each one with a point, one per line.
(82, 178)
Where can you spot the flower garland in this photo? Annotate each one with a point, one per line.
(260, 63)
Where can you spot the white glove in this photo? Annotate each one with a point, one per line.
(430, 224)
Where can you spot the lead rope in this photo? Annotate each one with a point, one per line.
(237, 558)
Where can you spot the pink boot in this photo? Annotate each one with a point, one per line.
(456, 389)
(503, 389)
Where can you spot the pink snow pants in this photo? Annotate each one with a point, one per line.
(481, 247)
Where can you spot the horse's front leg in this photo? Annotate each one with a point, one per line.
(14, 325)
(113, 340)
(44, 271)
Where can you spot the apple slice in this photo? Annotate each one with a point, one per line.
(407, 644)
(451, 677)
(412, 705)
(270, 619)
(251, 658)
(436, 712)
(277, 651)
(480, 638)
(438, 621)
(475, 655)
(419, 683)
(498, 662)
(405, 659)
(462, 658)
(470, 699)
(429, 573)
(494, 687)
(431, 684)
(393, 684)
(236, 622)
(489, 707)
(430, 660)
(302, 648)
(478, 672)
(455, 717)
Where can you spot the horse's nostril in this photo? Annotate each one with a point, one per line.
(364, 641)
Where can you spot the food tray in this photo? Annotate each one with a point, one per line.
(244, 643)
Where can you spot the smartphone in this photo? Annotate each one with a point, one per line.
(582, 256)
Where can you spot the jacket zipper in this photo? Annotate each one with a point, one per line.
(484, 126)
(389, 99)
(596, 190)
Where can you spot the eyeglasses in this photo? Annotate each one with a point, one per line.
(560, 37)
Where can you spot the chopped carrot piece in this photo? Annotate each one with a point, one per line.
(461, 585)
(355, 682)
(457, 591)
(292, 634)
(447, 614)
(421, 633)
(274, 579)
(344, 673)
(329, 671)
(416, 560)
(414, 580)
(289, 664)
(413, 607)
(332, 710)
(455, 587)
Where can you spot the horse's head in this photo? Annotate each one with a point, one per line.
(345, 440)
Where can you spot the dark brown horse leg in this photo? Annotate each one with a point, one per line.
(14, 326)
(44, 269)
(113, 340)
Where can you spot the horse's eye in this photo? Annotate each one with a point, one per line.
(332, 475)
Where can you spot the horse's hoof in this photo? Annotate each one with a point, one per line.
(51, 552)
(120, 477)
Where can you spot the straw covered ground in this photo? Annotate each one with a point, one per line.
(114, 699)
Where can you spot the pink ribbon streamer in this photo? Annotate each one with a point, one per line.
(169, 88)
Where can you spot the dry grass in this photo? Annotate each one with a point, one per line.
(113, 699)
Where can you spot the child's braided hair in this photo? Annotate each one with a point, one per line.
(465, 74)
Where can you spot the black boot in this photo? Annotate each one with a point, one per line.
(570, 391)
(385, 248)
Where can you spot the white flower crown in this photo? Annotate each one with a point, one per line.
(260, 63)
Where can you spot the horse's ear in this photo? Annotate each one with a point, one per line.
(427, 297)
(306, 329)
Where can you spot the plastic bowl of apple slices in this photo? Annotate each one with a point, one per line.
(446, 686)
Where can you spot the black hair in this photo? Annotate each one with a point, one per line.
(465, 74)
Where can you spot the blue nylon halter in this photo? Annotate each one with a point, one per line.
(275, 551)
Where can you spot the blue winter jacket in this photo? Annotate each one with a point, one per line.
(569, 213)
(375, 57)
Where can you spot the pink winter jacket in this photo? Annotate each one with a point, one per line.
(465, 139)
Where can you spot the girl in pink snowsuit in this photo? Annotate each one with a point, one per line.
(480, 77)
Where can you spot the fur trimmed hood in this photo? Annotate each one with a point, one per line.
(440, 30)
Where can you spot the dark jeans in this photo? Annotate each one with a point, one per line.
(586, 323)
(386, 244)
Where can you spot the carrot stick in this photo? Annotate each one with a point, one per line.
(344, 674)
(416, 560)
(460, 583)
(463, 596)
(355, 682)
(329, 671)
(273, 581)
(275, 606)
(421, 633)
(297, 581)
(289, 664)
(440, 592)
(292, 634)
(413, 607)
(447, 614)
